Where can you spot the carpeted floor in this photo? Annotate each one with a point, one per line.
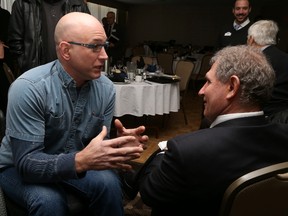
(136, 207)
(173, 125)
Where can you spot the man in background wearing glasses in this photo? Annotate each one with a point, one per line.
(58, 123)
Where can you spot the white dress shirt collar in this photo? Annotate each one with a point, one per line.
(223, 118)
(247, 21)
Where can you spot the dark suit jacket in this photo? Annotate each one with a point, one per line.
(115, 37)
(279, 62)
(191, 177)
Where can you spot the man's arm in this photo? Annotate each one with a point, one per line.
(16, 32)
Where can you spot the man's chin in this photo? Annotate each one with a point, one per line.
(96, 75)
(241, 20)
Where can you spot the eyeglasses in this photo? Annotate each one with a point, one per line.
(94, 47)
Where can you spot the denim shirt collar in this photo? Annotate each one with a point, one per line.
(66, 79)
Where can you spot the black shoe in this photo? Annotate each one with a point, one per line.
(129, 184)
(131, 179)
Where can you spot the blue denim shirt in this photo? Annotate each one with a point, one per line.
(48, 112)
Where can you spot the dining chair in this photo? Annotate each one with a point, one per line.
(204, 67)
(184, 70)
(165, 61)
(263, 192)
(135, 58)
(138, 50)
(147, 59)
(77, 206)
(8, 72)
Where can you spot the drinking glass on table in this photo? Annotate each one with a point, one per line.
(131, 70)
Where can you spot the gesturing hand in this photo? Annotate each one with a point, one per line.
(136, 132)
(102, 154)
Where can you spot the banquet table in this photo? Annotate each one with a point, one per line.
(146, 98)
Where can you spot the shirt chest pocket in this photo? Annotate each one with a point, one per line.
(93, 128)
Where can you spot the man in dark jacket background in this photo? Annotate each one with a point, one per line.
(30, 37)
(115, 38)
(263, 34)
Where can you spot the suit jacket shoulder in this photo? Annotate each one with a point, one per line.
(182, 179)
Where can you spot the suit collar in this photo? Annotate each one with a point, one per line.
(244, 121)
(226, 117)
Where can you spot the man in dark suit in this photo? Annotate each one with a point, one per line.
(114, 35)
(189, 174)
(263, 34)
(236, 33)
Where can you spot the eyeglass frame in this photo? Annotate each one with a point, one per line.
(94, 47)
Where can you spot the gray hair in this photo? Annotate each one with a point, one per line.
(250, 65)
(264, 32)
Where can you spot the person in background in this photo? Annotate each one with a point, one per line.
(189, 174)
(104, 23)
(233, 34)
(5, 57)
(57, 128)
(263, 34)
(31, 29)
(236, 33)
(114, 35)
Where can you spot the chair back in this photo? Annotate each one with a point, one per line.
(147, 59)
(134, 59)
(165, 61)
(138, 50)
(8, 72)
(205, 66)
(184, 70)
(263, 192)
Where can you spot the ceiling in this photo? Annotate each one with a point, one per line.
(230, 2)
(150, 1)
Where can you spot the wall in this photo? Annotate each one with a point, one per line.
(192, 24)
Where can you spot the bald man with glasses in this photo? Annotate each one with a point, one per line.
(58, 126)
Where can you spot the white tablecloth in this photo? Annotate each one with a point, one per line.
(144, 98)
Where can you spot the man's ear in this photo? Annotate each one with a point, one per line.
(64, 50)
(234, 85)
(250, 40)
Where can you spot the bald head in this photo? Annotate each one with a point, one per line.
(76, 26)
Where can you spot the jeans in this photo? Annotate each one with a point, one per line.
(102, 189)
